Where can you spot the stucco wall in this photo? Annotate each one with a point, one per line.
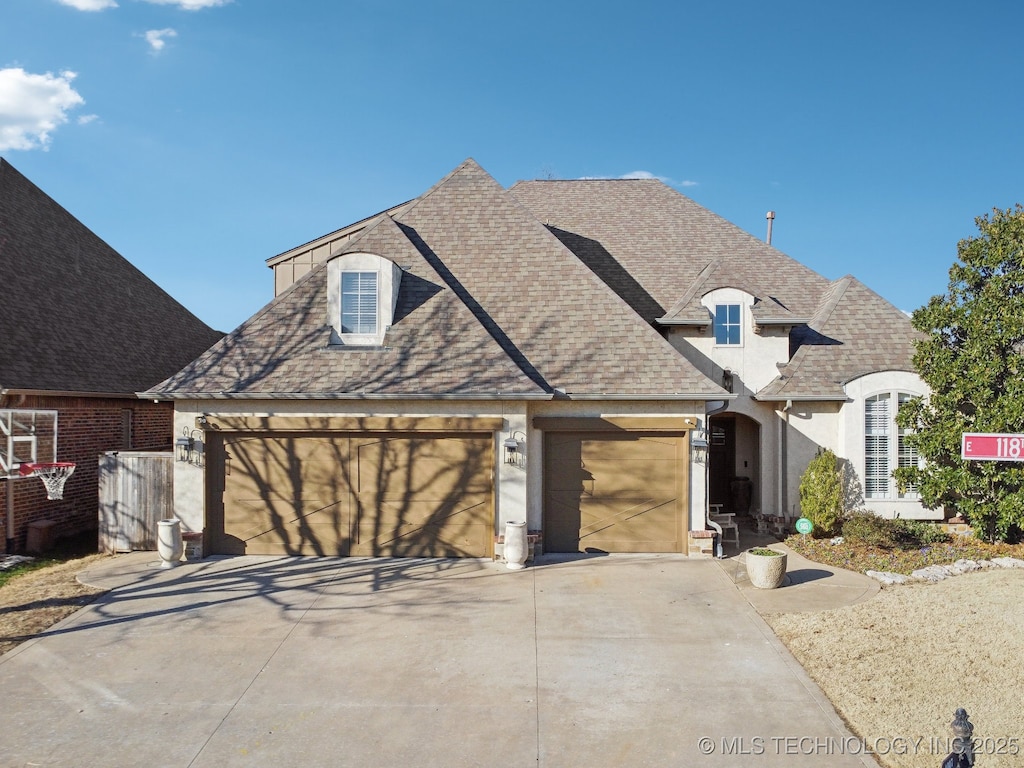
(752, 363)
(811, 427)
(851, 439)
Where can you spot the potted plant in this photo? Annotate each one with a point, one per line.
(766, 568)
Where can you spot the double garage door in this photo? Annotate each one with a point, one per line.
(382, 495)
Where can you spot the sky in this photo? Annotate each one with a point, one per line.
(200, 138)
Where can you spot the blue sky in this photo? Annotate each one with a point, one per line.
(202, 137)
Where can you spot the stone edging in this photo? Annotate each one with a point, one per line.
(934, 573)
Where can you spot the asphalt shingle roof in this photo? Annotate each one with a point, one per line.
(491, 304)
(854, 332)
(75, 316)
(655, 246)
(662, 252)
(552, 286)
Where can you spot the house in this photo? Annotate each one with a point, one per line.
(81, 332)
(558, 352)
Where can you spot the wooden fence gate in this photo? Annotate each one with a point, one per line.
(136, 489)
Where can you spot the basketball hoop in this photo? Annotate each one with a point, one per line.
(53, 476)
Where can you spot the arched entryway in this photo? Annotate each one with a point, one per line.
(734, 463)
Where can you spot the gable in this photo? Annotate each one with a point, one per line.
(662, 246)
(490, 304)
(853, 333)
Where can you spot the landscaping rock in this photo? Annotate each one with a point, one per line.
(964, 566)
(10, 561)
(1008, 562)
(887, 577)
(932, 573)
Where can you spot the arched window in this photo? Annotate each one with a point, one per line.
(885, 447)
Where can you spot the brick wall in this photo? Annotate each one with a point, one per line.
(86, 427)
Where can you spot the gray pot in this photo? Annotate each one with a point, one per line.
(766, 571)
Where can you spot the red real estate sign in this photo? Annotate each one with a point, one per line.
(983, 446)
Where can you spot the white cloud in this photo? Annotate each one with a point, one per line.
(191, 5)
(647, 175)
(157, 38)
(32, 106)
(86, 119)
(89, 5)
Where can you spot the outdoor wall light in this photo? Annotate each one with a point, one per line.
(512, 453)
(190, 449)
(699, 447)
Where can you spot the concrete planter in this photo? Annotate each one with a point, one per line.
(765, 571)
(168, 542)
(515, 545)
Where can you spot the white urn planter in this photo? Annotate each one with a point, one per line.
(515, 545)
(766, 568)
(168, 542)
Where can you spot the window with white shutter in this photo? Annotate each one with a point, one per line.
(359, 302)
(906, 455)
(876, 447)
(882, 454)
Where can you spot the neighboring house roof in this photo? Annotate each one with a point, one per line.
(75, 316)
(490, 305)
(662, 252)
(854, 332)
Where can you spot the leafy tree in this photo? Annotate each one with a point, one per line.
(971, 358)
(821, 493)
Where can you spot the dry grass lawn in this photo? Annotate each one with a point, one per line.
(900, 664)
(35, 600)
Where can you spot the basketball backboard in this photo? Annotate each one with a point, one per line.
(26, 437)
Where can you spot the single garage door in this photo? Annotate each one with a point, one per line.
(620, 492)
(386, 495)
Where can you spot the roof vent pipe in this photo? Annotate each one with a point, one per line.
(771, 217)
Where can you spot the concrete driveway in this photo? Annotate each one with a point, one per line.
(253, 661)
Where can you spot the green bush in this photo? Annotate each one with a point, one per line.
(868, 528)
(821, 493)
(917, 533)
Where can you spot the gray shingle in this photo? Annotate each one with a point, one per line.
(493, 305)
(75, 315)
(854, 332)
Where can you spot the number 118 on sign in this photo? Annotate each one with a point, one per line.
(992, 447)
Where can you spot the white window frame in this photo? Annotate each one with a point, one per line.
(388, 278)
(882, 453)
(364, 309)
(738, 325)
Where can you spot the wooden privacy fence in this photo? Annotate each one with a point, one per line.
(136, 490)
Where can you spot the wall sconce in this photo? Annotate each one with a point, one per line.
(190, 449)
(513, 454)
(699, 448)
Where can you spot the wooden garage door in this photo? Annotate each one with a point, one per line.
(614, 492)
(339, 495)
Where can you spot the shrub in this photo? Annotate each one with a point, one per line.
(917, 533)
(821, 493)
(865, 527)
(868, 528)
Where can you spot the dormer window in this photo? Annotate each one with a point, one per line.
(362, 292)
(359, 302)
(727, 324)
